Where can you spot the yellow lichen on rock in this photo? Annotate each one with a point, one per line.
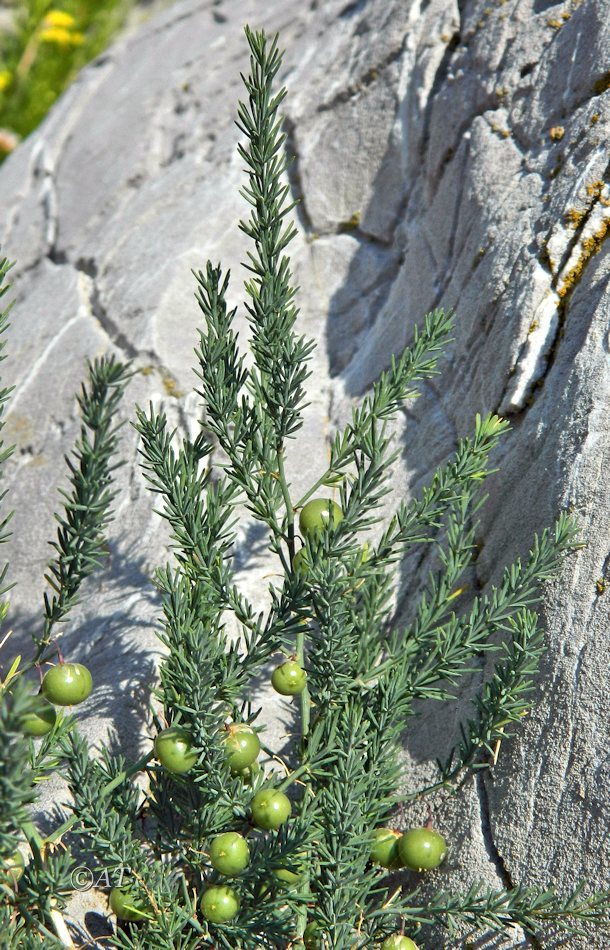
(589, 246)
(596, 191)
(170, 385)
(574, 217)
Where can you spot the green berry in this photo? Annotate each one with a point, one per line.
(270, 809)
(126, 906)
(293, 871)
(263, 888)
(41, 718)
(289, 679)
(300, 564)
(398, 942)
(287, 877)
(312, 936)
(229, 853)
(248, 774)
(317, 514)
(67, 684)
(385, 848)
(422, 849)
(174, 750)
(219, 904)
(242, 745)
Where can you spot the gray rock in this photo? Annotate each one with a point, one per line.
(446, 154)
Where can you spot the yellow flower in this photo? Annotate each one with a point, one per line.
(5, 79)
(59, 18)
(61, 37)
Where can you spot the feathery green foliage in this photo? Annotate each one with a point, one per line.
(24, 764)
(80, 535)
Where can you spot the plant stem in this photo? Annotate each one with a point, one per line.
(31, 833)
(304, 889)
(61, 929)
(301, 921)
(287, 502)
(293, 777)
(304, 696)
(320, 482)
(300, 640)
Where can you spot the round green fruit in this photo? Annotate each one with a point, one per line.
(67, 684)
(127, 907)
(40, 720)
(263, 888)
(243, 746)
(219, 904)
(293, 872)
(174, 750)
(398, 942)
(12, 869)
(385, 848)
(287, 877)
(289, 679)
(270, 809)
(229, 853)
(248, 774)
(317, 514)
(300, 564)
(312, 936)
(422, 849)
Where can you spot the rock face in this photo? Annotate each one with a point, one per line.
(448, 154)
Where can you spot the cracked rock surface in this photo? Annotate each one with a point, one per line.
(446, 153)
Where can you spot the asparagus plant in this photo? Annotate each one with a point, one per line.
(226, 843)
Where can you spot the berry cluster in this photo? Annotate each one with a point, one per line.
(419, 849)
(290, 679)
(229, 854)
(66, 684)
